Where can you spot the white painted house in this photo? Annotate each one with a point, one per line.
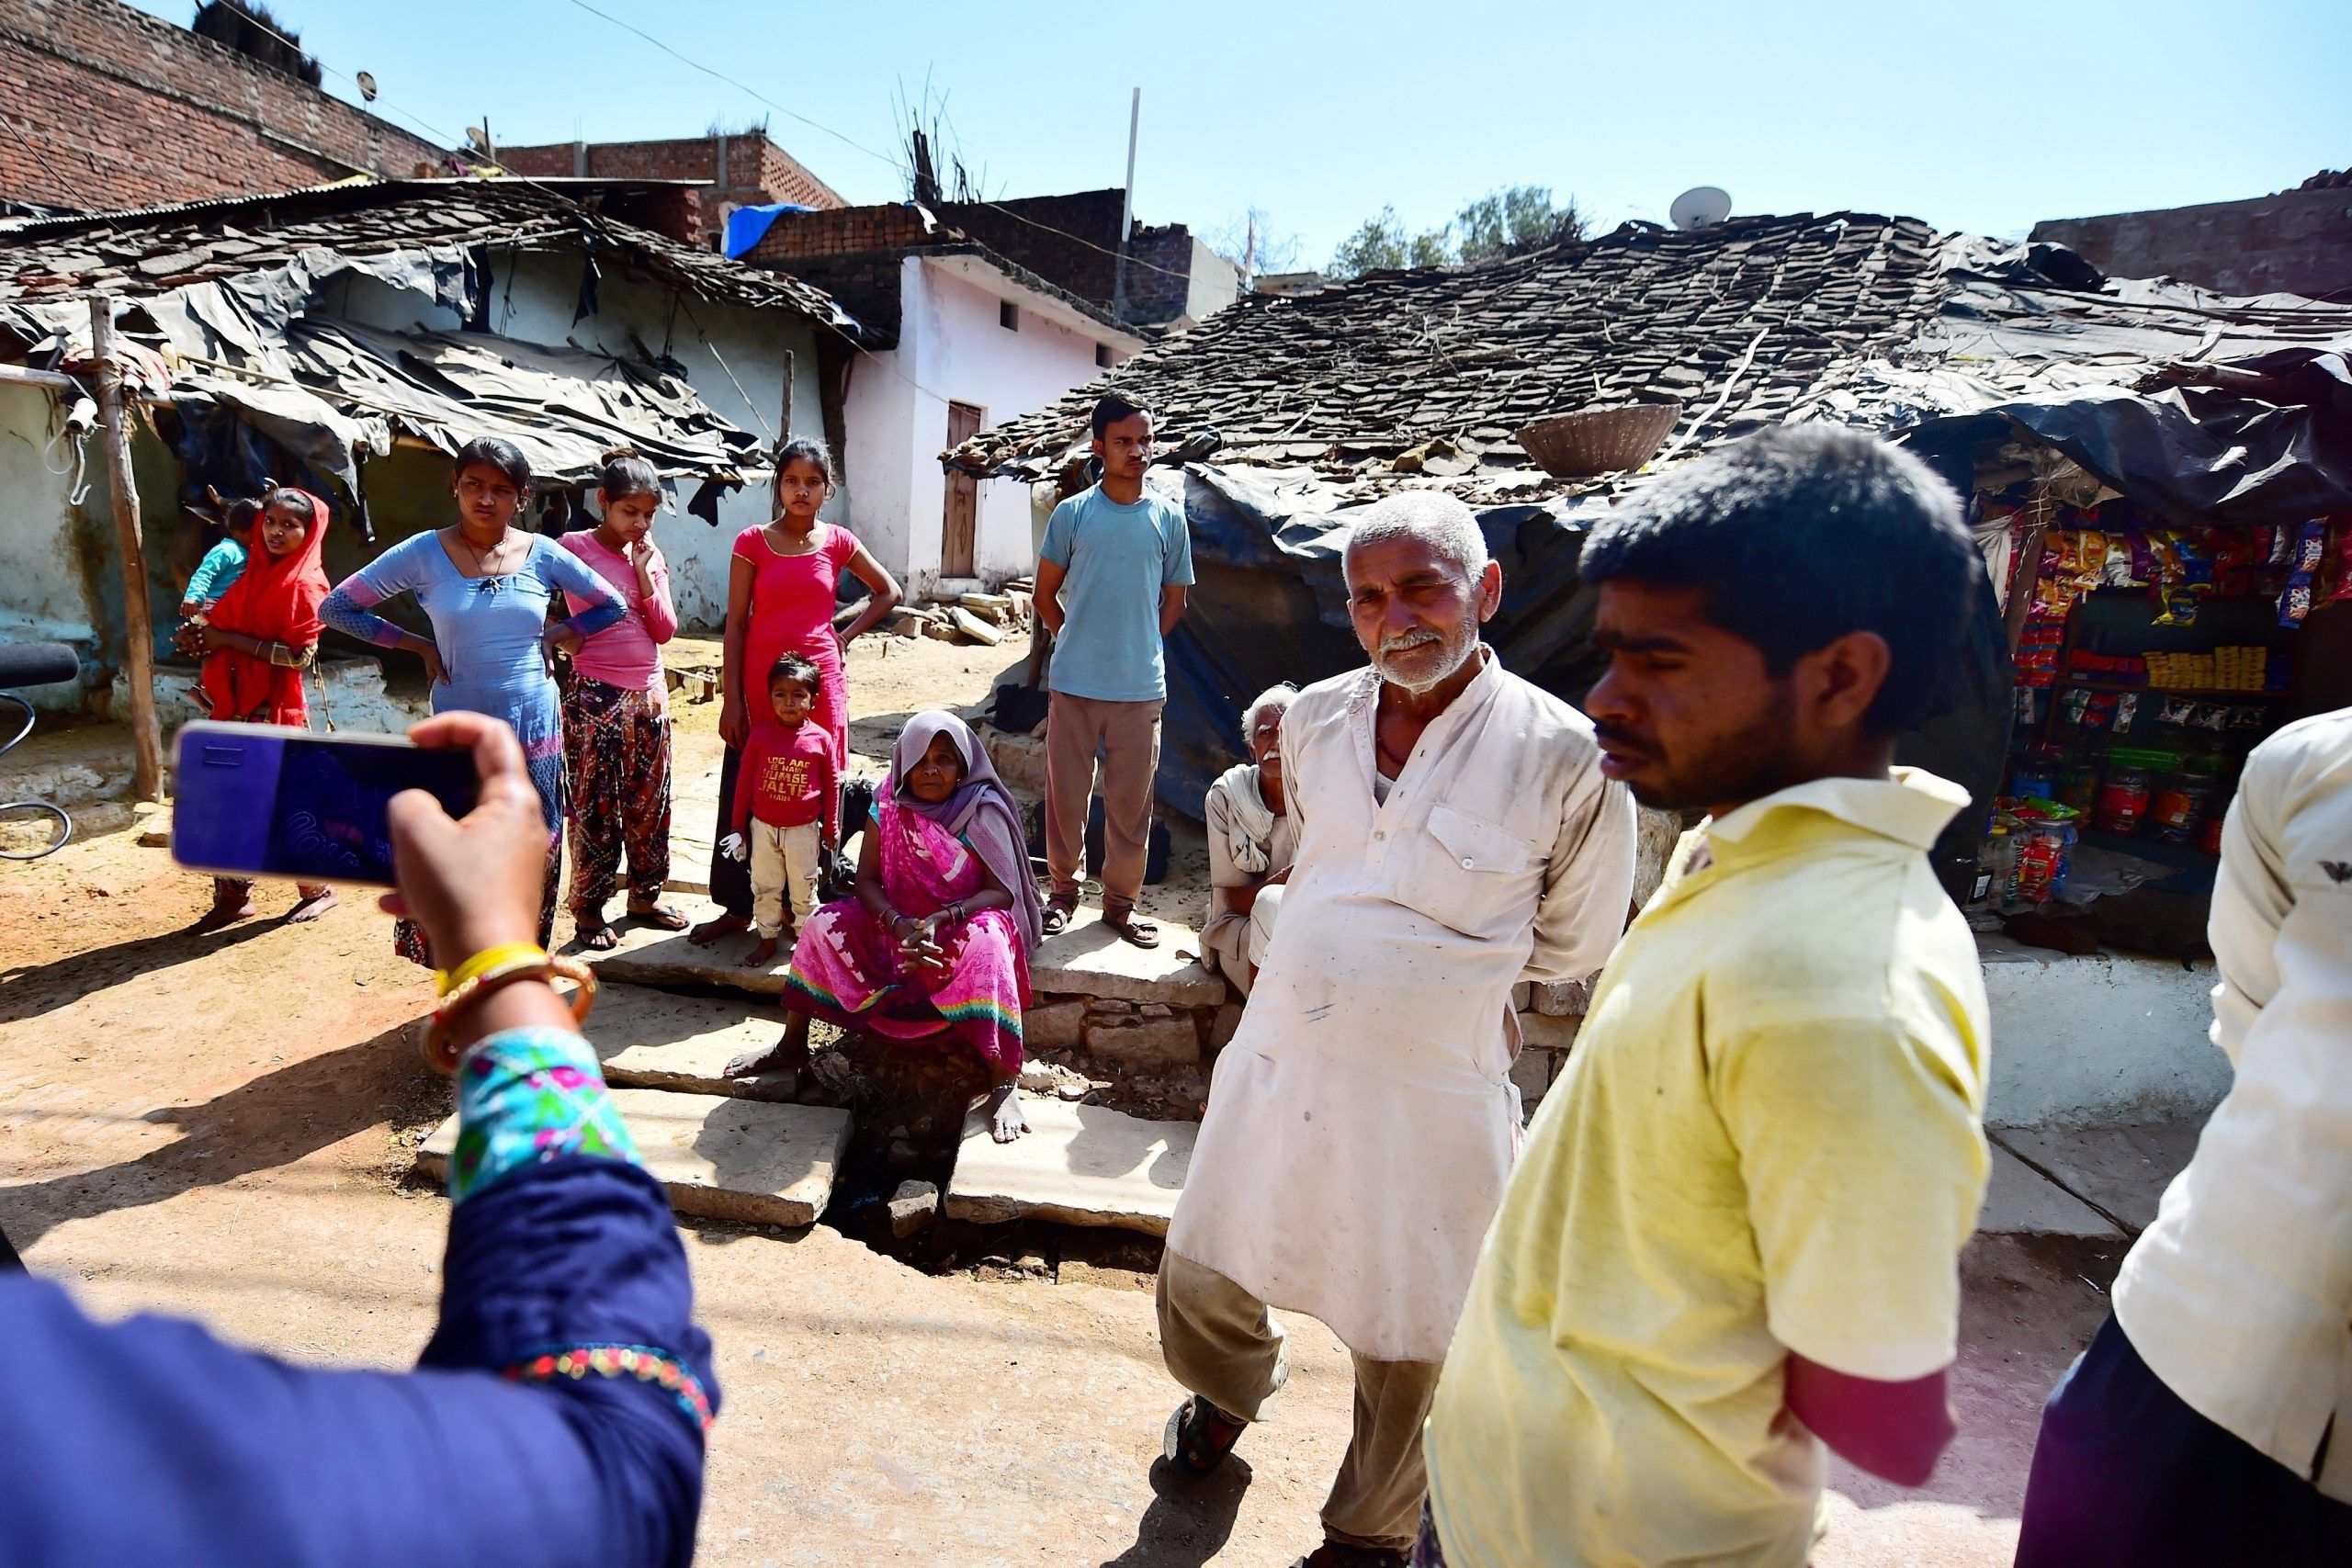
(979, 341)
(958, 337)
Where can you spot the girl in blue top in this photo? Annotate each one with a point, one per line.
(486, 585)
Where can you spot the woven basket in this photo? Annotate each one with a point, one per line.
(1592, 442)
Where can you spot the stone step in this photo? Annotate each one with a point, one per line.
(721, 1159)
(2020, 1201)
(1079, 1165)
(1087, 959)
(650, 1039)
(648, 956)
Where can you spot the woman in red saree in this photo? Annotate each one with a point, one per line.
(257, 641)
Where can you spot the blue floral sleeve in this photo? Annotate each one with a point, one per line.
(529, 1095)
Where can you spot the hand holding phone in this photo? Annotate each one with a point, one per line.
(472, 882)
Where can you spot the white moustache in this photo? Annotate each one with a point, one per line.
(1409, 640)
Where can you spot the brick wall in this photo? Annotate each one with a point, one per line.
(797, 237)
(758, 170)
(1072, 241)
(123, 109)
(2299, 241)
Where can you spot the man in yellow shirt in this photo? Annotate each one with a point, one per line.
(1734, 1235)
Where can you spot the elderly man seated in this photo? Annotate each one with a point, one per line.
(1253, 838)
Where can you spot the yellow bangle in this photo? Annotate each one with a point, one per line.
(447, 980)
(526, 963)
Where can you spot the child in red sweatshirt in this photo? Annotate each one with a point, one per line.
(789, 804)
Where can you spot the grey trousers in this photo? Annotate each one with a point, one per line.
(1220, 1342)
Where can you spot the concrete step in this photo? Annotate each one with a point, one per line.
(1080, 1165)
(694, 820)
(647, 956)
(2122, 1167)
(1087, 959)
(721, 1159)
(2018, 1200)
(650, 1039)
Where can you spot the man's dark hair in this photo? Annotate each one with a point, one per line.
(1112, 407)
(798, 670)
(1799, 536)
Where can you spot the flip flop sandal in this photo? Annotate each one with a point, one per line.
(597, 938)
(1193, 1443)
(662, 917)
(1133, 928)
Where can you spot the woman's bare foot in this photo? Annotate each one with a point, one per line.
(712, 931)
(762, 954)
(788, 1053)
(315, 902)
(1006, 1120)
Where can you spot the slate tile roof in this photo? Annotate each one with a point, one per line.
(1410, 378)
(155, 250)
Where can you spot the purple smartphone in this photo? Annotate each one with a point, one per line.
(264, 800)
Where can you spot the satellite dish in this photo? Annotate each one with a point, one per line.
(477, 137)
(366, 81)
(1700, 207)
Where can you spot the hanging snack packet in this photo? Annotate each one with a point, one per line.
(2311, 549)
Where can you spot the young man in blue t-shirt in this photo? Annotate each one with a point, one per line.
(1111, 581)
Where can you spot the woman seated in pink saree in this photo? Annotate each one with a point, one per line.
(935, 945)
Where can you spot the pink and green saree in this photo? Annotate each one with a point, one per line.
(846, 970)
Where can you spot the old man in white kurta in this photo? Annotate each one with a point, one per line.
(1362, 1123)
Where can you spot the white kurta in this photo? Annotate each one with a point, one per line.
(1362, 1122)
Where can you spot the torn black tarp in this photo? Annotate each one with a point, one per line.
(2197, 454)
(1268, 605)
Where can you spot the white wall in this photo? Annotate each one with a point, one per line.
(43, 593)
(532, 298)
(952, 345)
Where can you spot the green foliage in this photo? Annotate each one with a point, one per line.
(1502, 222)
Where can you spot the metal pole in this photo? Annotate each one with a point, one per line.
(138, 630)
(1126, 210)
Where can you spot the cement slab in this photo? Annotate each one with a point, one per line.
(1087, 959)
(693, 825)
(1081, 1165)
(2020, 1201)
(650, 1039)
(2123, 1169)
(721, 1159)
(647, 956)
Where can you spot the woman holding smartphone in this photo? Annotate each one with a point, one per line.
(487, 587)
(257, 640)
(555, 1419)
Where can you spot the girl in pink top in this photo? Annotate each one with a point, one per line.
(780, 599)
(616, 713)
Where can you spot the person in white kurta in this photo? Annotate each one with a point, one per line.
(1362, 1122)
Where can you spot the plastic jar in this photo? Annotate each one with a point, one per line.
(2078, 786)
(2178, 808)
(2123, 797)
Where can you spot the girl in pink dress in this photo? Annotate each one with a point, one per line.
(780, 599)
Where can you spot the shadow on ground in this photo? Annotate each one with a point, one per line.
(1189, 1520)
(275, 1120)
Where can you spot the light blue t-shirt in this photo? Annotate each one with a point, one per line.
(221, 565)
(1118, 558)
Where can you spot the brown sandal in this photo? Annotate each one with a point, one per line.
(1133, 928)
(1059, 909)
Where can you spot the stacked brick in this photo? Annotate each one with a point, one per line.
(756, 172)
(121, 109)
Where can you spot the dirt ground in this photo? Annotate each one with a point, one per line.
(217, 1127)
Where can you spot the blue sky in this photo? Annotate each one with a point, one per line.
(1984, 116)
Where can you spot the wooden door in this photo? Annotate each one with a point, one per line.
(963, 504)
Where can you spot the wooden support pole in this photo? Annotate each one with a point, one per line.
(2025, 567)
(138, 629)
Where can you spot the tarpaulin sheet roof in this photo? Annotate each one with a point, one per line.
(1419, 378)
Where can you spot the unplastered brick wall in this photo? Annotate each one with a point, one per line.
(756, 172)
(111, 107)
(845, 231)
